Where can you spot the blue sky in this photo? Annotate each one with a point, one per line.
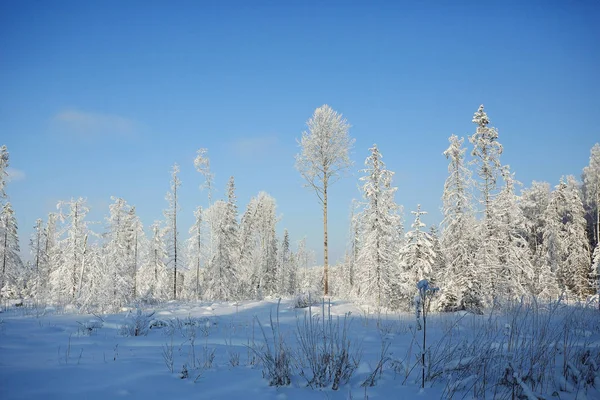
(101, 98)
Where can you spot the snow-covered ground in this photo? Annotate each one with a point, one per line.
(528, 351)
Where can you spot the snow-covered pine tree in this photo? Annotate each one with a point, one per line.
(418, 256)
(595, 273)
(52, 251)
(347, 277)
(202, 164)
(122, 248)
(66, 279)
(10, 260)
(248, 278)
(39, 262)
(578, 248)
(171, 232)
(153, 275)
(287, 272)
(135, 241)
(267, 244)
(440, 261)
(378, 256)
(325, 153)
(4, 162)
(565, 243)
(221, 278)
(460, 281)
(533, 203)
(258, 261)
(195, 254)
(486, 157)
(514, 268)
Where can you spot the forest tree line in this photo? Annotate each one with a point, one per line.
(493, 244)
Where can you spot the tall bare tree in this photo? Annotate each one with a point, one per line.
(324, 155)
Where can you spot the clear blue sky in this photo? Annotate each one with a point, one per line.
(101, 98)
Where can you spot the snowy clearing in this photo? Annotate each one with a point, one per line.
(218, 351)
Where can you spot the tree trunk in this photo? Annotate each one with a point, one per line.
(325, 247)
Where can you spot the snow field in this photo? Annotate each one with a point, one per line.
(218, 351)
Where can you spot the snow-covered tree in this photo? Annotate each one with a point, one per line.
(68, 276)
(202, 164)
(324, 155)
(9, 252)
(514, 271)
(486, 153)
(460, 280)
(39, 262)
(578, 248)
(258, 248)
(377, 258)
(533, 203)
(122, 251)
(171, 232)
(4, 162)
(591, 193)
(196, 253)
(221, 276)
(486, 158)
(286, 268)
(595, 273)
(418, 256)
(565, 243)
(153, 275)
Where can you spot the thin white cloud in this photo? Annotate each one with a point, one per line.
(90, 124)
(14, 175)
(254, 146)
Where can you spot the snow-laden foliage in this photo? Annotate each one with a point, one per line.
(418, 256)
(513, 269)
(68, 275)
(591, 194)
(379, 228)
(221, 276)
(196, 254)
(566, 248)
(459, 278)
(11, 265)
(4, 162)
(154, 276)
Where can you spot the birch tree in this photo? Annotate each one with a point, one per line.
(324, 155)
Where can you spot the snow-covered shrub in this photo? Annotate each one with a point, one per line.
(303, 300)
(326, 354)
(89, 327)
(138, 325)
(274, 354)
